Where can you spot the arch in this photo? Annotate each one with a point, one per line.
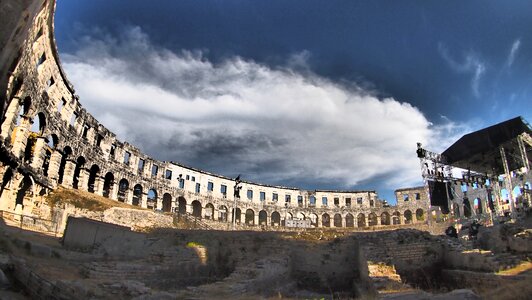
(467, 208)
(123, 186)
(477, 204)
(209, 211)
(408, 216)
(276, 219)
(137, 195)
(313, 219)
(93, 175)
(361, 220)
(222, 213)
(516, 192)
(152, 199)
(250, 217)
(420, 215)
(196, 209)
(396, 218)
(39, 123)
(300, 216)
(289, 216)
(325, 220)
(30, 145)
(182, 206)
(349, 220)
(24, 190)
(385, 218)
(167, 202)
(236, 214)
(46, 162)
(372, 220)
(52, 141)
(263, 217)
(66, 153)
(80, 163)
(337, 220)
(108, 182)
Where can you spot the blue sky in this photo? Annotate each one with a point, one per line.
(314, 94)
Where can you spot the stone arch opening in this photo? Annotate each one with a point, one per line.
(349, 221)
(46, 162)
(396, 218)
(66, 153)
(313, 219)
(8, 175)
(181, 205)
(325, 220)
(123, 186)
(300, 216)
(385, 218)
(209, 211)
(361, 220)
(137, 195)
(30, 147)
(250, 217)
(222, 213)
(408, 216)
(24, 190)
(276, 219)
(152, 199)
(467, 208)
(93, 175)
(337, 220)
(263, 218)
(372, 220)
(39, 124)
(108, 182)
(196, 209)
(80, 163)
(52, 141)
(167, 202)
(420, 215)
(236, 215)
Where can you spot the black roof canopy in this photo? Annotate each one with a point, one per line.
(479, 150)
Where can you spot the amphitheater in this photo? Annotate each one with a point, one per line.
(250, 240)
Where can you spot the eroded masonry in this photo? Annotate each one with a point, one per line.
(49, 140)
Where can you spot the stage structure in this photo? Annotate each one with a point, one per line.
(495, 172)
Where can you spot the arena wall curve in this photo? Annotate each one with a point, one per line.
(48, 140)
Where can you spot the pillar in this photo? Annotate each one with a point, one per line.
(98, 185)
(19, 137)
(38, 153)
(83, 180)
(55, 164)
(256, 219)
(508, 181)
(68, 174)
(144, 200)
(113, 191)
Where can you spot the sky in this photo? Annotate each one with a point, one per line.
(310, 94)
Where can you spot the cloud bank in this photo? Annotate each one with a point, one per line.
(273, 125)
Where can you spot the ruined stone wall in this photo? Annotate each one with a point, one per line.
(47, 139)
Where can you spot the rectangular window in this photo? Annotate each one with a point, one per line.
(223, 190)
(287, 198)
(188, 177)
(85, 131)
(275, 197)
(359, 200)
(127, 156)
(418, 196)
(371, 203)
(250, 194)
(181, 183)
(262, 196)
(73, 119)
(300, 200)
(112, 151)
(324, 201)
(168, 174)
(336, 201)
(405, 197)
(99, 140)
(347, 202)
(60, 104)
(154, 170)
(198, 187)
(41, 60)
(312, 201)
(210, 186)
(193, 178)
(142, 162)
(49, 83)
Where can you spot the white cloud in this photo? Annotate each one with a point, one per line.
(513, 51)
(471, 64)
(239, 116)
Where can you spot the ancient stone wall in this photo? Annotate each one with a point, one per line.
(48, 139)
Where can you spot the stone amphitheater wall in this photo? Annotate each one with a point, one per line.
(48, 139)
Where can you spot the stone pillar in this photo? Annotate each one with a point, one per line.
(242, 217)
(68, 174)
(98, 185)
(256, 219)
(159, 203)
(144, 200)
(38, 153)
(128, 197)
(189, 208)
(53, 168)
(19, 137)
(113, 191)
(378, 220)
(83, 180)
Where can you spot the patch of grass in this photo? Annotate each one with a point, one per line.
(83, 200)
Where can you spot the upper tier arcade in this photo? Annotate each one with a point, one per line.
(48, 140)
